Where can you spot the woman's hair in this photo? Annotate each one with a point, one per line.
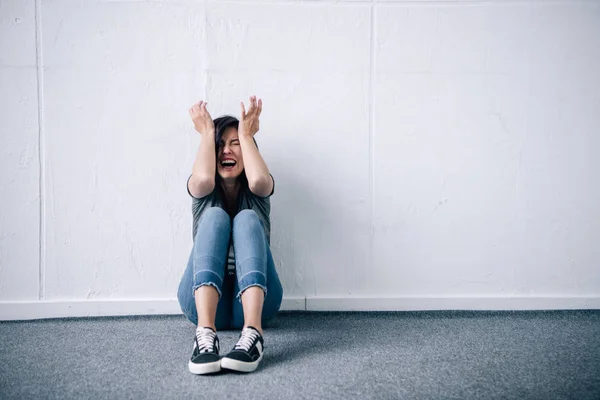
(221, 125)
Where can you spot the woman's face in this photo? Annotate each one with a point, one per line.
(229, 156)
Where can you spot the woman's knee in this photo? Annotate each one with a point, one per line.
(216, 214)
(246, 217)
(246, 222)
(214, 219)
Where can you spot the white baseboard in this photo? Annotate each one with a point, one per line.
(36, 309)
(358, 303)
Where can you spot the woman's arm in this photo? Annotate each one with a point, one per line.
(202, 181)
(257, 172)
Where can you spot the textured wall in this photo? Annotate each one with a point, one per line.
(19, 153)
(419, 148)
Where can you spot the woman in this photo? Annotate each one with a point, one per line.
(230, 281)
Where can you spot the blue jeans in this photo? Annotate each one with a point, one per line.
(208, 263)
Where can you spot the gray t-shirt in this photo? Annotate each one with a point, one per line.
(246, 201)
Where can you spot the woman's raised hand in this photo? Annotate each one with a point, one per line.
(203, 122)
(249, 123)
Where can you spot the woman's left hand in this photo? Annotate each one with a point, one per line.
(249, 123)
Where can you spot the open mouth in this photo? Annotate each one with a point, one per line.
(228, 164)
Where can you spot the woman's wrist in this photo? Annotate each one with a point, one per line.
(209, 132)
(245, 136)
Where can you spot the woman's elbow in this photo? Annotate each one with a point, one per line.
(261, 187)
(202, 186)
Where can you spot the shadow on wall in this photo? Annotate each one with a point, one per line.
(320, 247)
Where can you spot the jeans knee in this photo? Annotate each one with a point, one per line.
(216, 213)
(246, 215)
(246, 218)
(214, 218)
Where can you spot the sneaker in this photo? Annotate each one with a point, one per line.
(205, 358)
(247, 353)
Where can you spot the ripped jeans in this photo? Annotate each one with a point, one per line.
(208, 263)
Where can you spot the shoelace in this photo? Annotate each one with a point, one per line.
(206, 340)
(246, 339)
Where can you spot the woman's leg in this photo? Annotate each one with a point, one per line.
(272, 301)
(258, 288)
(201, 286)
(258, 285)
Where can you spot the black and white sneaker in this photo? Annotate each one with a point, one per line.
(205, 358)
(247, 353)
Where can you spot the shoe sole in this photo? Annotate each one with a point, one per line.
(240, 366)
(205, 368)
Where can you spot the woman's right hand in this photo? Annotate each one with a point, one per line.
(203, 122)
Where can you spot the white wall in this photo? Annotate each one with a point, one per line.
(427, 154)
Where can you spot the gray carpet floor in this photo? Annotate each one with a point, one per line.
(404, 355)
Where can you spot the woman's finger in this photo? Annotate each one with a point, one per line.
(243, 109)
(259, 106)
